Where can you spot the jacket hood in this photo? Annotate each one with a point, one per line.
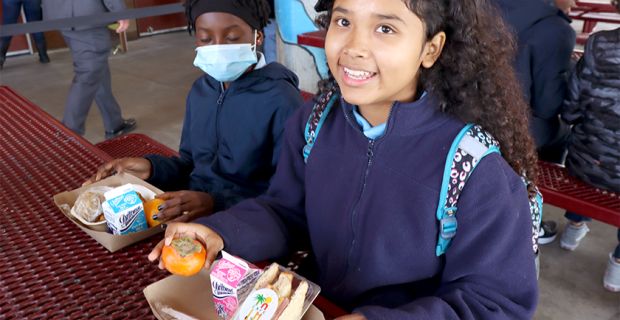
(523, 14)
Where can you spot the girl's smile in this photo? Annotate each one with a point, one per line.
(355, 77)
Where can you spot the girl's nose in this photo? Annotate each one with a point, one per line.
(356, 46)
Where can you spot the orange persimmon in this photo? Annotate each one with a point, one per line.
(184, 256)
(150, 208)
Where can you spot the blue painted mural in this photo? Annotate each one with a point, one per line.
(295, 17)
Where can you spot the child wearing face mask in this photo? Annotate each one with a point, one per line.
(406, 77)
(234, 116)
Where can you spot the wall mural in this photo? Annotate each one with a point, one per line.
(309, 63)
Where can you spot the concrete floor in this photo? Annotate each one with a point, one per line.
(151, 83)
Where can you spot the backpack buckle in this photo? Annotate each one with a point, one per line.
(306, 152)
(447, 228)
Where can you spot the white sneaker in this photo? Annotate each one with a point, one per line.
(612, 275)
(572, 236)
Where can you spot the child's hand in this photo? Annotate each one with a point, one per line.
(139, 167)
(197, 204)
(212, 241)
(355, 316)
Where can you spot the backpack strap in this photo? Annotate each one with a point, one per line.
(317, 117)
(536, 209)
(469, 147)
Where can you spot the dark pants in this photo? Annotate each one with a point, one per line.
(579, 218)
(11, 11)
(90, 49)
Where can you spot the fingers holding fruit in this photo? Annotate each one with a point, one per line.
(185, 206)
(184, 256)
(209, 239)
(151, 212)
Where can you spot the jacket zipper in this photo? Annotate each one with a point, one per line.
(217, 118)
(369, 154)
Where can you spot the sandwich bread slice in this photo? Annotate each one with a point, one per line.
(295, 307)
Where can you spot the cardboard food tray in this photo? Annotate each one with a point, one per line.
(109, 241)
(192, 296)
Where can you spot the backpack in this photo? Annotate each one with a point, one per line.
(468, 148)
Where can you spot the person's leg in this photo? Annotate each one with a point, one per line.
(611, 281)
(617, 251)
(89, 65)
(576, 219)
(10, 14)
(33, 11)
(270, 46)
(575, 231)
(108, 107)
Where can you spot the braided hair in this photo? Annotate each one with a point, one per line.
(616, 4)
(260, 9)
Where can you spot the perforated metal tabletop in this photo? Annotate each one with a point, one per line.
(49, 268)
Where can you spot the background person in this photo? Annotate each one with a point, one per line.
(90, 47)
(234, 116)
(545, 43)
(592, 106)
(10, 15)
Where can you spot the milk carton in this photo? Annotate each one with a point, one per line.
(124, 211)
(231, 282)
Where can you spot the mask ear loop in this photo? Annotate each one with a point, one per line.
(255, 42)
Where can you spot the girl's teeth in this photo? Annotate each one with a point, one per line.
(355, 74)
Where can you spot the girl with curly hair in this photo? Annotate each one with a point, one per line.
(410, 75)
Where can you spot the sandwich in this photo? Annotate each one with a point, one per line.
(289, 308)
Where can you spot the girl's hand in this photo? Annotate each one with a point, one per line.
(212, 241)
(197, 204)
(138, 167)
(355, 316)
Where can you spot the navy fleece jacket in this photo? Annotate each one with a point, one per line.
(231, 139)
(545, 42)
(368, 209)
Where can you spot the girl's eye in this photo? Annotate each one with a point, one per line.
(232, 39)
(343, 22)
(384, 29)
(205, 40)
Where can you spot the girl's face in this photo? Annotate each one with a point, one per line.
(375, 48)
(224, 28)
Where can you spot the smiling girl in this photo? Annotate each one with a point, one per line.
(409, 75)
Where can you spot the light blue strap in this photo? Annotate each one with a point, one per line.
(310, 140)
(447, 215)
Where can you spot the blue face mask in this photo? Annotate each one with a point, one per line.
(226, 62)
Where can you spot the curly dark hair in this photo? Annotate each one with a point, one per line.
(473, 78)
(260, 9)
(616, 4)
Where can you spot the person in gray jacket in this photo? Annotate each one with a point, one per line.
(90, 46)
(593, 107)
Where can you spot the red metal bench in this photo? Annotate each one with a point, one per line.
(139, 145)
(565, 191)
(134, 145)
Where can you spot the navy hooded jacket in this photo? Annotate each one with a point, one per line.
(545, 42)
(367, 207)
(231, 138)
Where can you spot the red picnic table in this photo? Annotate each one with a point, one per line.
(49, 268)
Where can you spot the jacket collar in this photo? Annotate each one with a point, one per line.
(405, 118)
